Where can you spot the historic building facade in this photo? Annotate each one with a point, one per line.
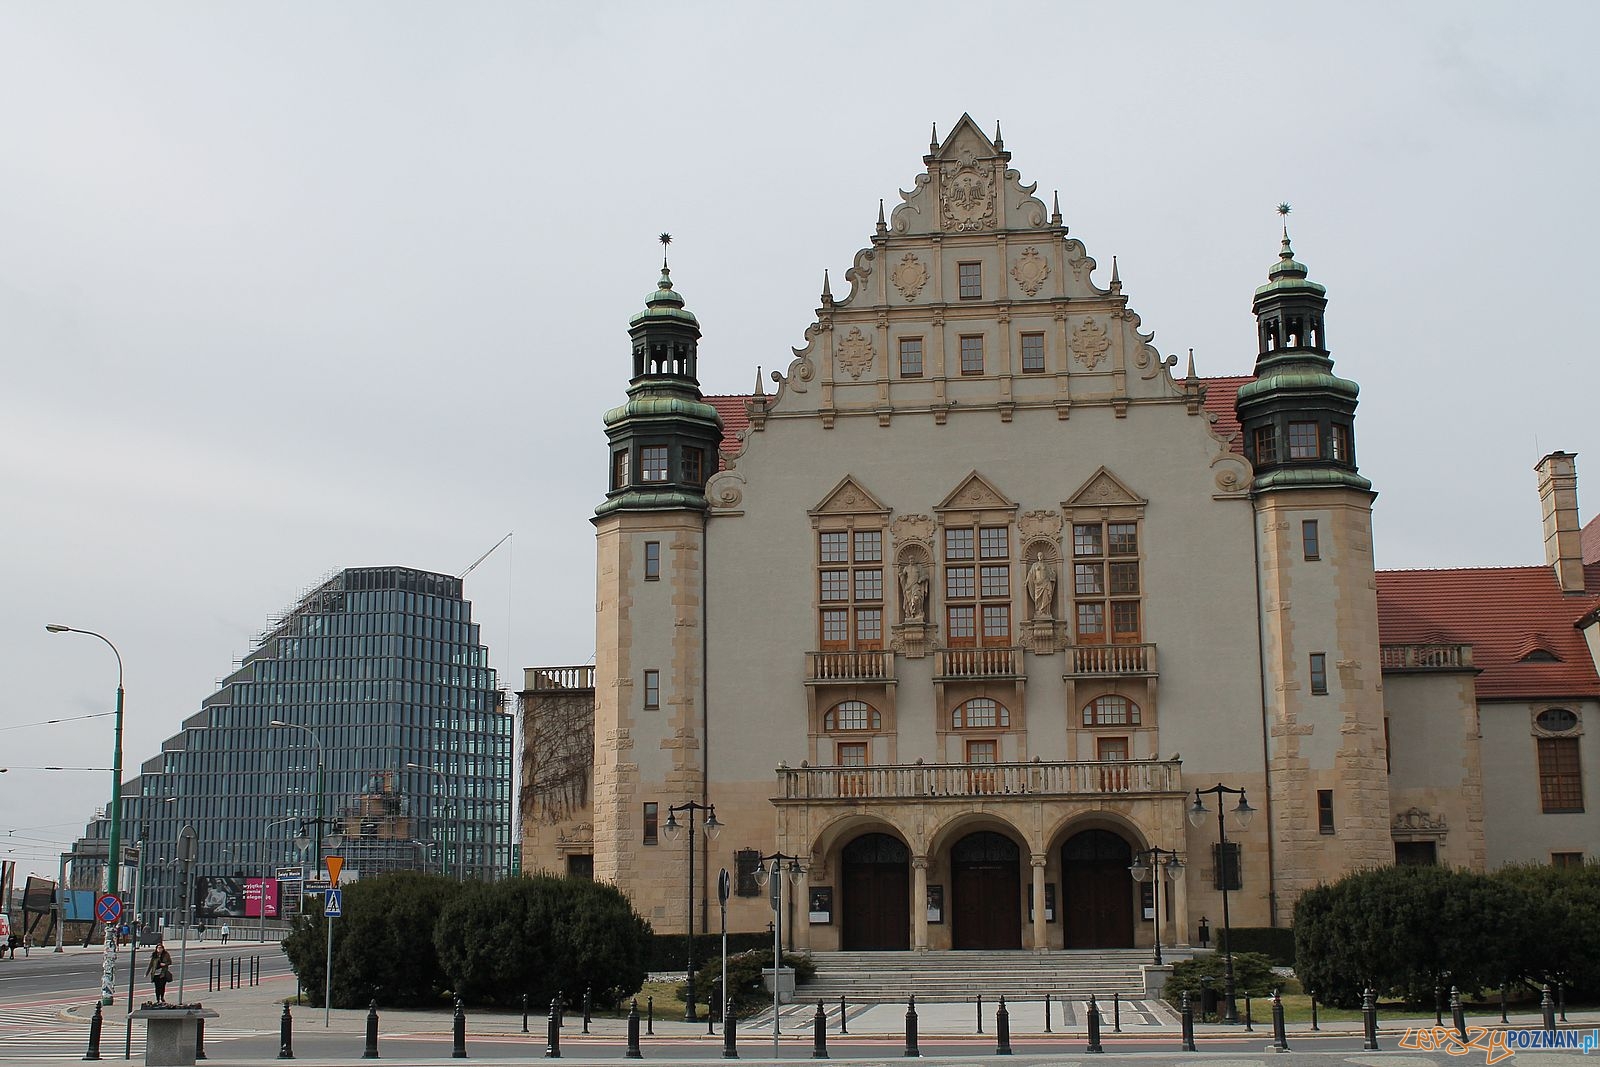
(967, 607)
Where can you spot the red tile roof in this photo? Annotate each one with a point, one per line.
(1591, 541)
(734, 418)
(1504, 613)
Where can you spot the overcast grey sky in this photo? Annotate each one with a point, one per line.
(290, 287)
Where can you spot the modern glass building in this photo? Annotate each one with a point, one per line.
(366, 715)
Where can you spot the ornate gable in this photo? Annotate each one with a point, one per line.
(976, 493)
(849, 497)
(1103, 489)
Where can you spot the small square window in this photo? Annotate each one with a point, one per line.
(835, 547)
(1324, 811)
(652, 561)
(652, 689)
(869, 546)
(1033, 353)
(1566, 859)
(972, 355)
(910, 357)
(971, 280)
(1309, 540)
(1303, 441)
(651, 823)
(958, 543)
(653, 463)
(1339, 443)
(1266, 444)
(694, 465)
(852, 753)
(619, 469)
(1319, 673)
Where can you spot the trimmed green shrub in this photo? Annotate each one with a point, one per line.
(744, 976)
(1252, 976)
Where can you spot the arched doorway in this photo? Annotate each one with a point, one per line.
(875, 879)
(1098, 890)
(987, 892)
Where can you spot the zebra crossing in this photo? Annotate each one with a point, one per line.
(39, 1033)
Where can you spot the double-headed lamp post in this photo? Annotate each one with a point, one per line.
(774, 876)
(113, 845)
(1225, 869)
(711, 829)
(1149, 864)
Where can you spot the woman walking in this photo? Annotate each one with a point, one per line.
(159, 971)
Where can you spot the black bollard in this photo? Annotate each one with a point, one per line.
(285, 1035)
(844, 1027)
(1094, 1026)
(714, 1007)
(730, 1030)
(586, 1008)
(94, 1034)
(980, 1013)
(1280, 1038)
(1047, 1013)
(1503, 1017)
(1314, 1025)
(371, 1051)
(1438, 1006)
(1369, 1020)
(1547, 1008)
(1116, 1013)
(1248, 1019)
(819, 1034)
(199, 1039)
(1458, 1014)
(1002, 1029)
(1187, 1015)
(1561, 1000)
(524, 1013)
(552, 1030)
(458, 1032)
(911, 1027)
(633, 1052)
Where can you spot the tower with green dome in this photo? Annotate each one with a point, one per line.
(650, 620)
(1319, 614)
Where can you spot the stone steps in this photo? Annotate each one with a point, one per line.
(884, 977)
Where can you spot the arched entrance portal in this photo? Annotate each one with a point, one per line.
(1098, 890)
(986, 891)
(875, 879)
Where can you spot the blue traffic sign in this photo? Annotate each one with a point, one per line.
(108, 909)
(334, 908)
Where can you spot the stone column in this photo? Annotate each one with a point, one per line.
(1177, 931)
(802, 912)
(1040, 928)
(919, 903)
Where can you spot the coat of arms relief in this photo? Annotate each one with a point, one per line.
(909, 276)
(967, 196)
(855, 352)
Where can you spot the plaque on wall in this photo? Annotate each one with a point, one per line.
(1049, 902)
(1147, 899)
(821, 905)
(936, 903)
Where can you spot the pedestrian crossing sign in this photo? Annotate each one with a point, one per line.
(334, 908)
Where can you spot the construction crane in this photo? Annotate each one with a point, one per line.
(486, 555)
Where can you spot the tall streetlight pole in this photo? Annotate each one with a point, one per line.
(776, 879)
(1225, 871)
(455, 803)
(321, 785)
(1140, 871)
(113, 853)
(674, 828)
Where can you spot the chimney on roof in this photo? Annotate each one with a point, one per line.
(1558, 501)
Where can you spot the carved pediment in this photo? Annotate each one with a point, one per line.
(1103, 489)
(976, 493)
(849, 497)
(1416, 820)
(967, 142)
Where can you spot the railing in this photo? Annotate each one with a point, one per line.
(978, 663)
(1425, 657)
(546, 679)
(1084, 660)
(932, 781)
(864, 666)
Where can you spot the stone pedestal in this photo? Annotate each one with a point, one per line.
(170, 1037)
(785, 983)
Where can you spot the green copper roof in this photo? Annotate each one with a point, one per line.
(665, 303)
(656, 406)
(1289, 274)
(1297, 380)
(1309, 478)
(640, 499)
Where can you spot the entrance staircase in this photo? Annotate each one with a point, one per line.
(891, 977)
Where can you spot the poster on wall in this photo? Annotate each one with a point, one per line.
(1147, 899)
(258, 891)
(936, 903)
(1049, 902)
(821, 905)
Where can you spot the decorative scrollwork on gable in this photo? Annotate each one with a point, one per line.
(1030, 271)
(909, 276)
(1089, 343)
(855, 352)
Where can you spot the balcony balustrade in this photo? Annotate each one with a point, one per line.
(1095, 661)
(1425, 657)
(978, 663)
(937, 781)
(872, 665)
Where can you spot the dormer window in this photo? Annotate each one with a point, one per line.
(653, 463)
(619, 469)
(1303, 441)
(1542, 655)
(1266, 443)
(694, 465)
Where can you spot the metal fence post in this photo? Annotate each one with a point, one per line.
(1503, 1003)
(1249, 1021)
(980, 1013)
(650, 1016)
(844, 1026)
(524, 1013)
(1002, 1029)
(1116, 1012)
(586, 1008)
(1314, 1025)
(1047, 1013)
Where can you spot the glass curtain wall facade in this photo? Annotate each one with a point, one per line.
(381, 672)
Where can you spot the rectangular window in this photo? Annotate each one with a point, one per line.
(1111, 748)
(958, 543)
(983, 752)
(835, 629)
(993, 543)
(651, 823)
(1033, 353)
(694, 465)
(996, 624)
(958, 583)
(746, 862)
(1339, 443)
(852, 753)
(1303, 441)
(1086, 539)
(869, 546)
(1319, 673)
(1560, 777)
(1415, 854)
(869, 583)
(1324, 811)
(835, 585)
(963, 625)
(910, 357)
(1088, 578)
(1225, 866)
(851, 577)
(653, 463)
(972, 355)
(652, 561)
(971, 275)
(835, 548)
(995, 581)
(1310, 542)
(1266, 442)
(619, 469)
(869, 628)
(1566, 859)
(1125, 578)
(978, 596)
(652, 689)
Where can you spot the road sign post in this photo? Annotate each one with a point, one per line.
(332, 905)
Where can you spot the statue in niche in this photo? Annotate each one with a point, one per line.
(913, 592)
(1042, 587)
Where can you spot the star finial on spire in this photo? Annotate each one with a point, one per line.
(665, 239)
(1283, 209)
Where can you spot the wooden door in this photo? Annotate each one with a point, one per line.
(875, 887)
(1097, 890)
(986, 908)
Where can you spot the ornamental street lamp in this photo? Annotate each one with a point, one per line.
(1173, 868)
(1226, 869)
(113, 855)
(775, 877)
(711, 829)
